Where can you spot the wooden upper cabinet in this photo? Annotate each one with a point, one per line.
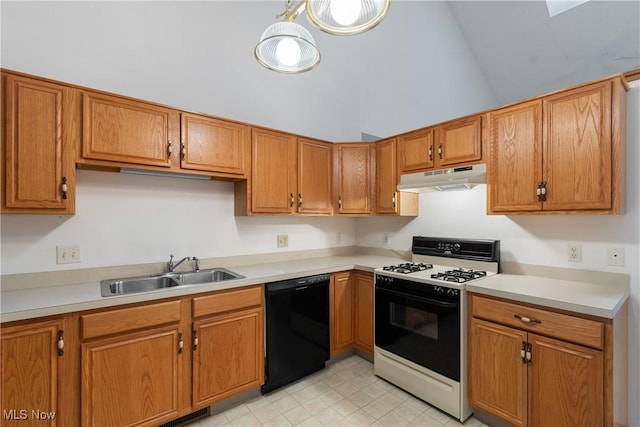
(40, 131)
(314, 177)
(273, 186)
(128, 132)
(416, 151)
(459, 141)
(32, 374)
(387, 176)
(515, 158)
(353, 177)
(577, 148)
(560, 153)
(214, 145)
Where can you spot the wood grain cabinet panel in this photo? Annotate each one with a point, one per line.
(32, 374)
(527, 375)
(39, 136)
(416, 151)
(561, 153)
(341, 296)
(213, 145)
(363, 311)
(120, 130)
(353, 177)
(388, 200)
(459, 141)
(314, 177)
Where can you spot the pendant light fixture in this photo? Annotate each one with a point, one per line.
(288, 47)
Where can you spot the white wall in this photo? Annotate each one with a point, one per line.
(539, 240)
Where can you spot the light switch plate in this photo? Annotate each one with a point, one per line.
(67, 254)
(283, 240)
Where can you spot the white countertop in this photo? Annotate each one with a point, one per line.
(597, 299)
(51, 300)
(602, 300)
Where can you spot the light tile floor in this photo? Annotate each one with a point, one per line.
(345, 393)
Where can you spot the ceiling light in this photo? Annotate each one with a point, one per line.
(288, 48)
(346, 17)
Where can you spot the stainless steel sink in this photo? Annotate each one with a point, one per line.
(134, 285)
(208, 276)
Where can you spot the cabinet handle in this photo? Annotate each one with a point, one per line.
(523, 353)
(528, 354)
(524, 319)
(180, 343)
(541, 191)
(339, 202)
(440, 151)
(393, 200)
(431, 152)
(169, 150)
(61, 342)
(64, 188)
(299, 200)
(184, 151)
(195, 340)
(291, 200)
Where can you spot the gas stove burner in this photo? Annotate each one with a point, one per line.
(408, 267)
(459, 275)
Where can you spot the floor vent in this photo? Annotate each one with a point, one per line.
(189, 418)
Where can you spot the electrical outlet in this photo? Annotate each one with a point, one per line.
(338, 237)
(615, 257)
(386, 241)
(283, 240)
(68, 254)
(574, 252)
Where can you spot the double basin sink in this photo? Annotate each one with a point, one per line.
(134, 285)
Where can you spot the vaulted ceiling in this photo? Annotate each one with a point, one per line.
(524, 52)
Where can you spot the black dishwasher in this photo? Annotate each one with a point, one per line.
(297, 329)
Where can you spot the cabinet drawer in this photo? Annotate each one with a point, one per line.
(127, 319)
(227, 301)
(566, 327)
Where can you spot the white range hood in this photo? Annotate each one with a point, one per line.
(464, 177)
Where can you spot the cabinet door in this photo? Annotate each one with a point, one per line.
(228, 357)
(364, 311)
(31, 374)
(126, 131)
(565, 384)
(497, 376)
(133, 378)
(577, 148)
(354, 178)
(38, 147)
(386, 195)
(213, 145)
(459, 141)
(342, 319)
(416, 151)
(273, 173)
(314, 177)
(515, 152)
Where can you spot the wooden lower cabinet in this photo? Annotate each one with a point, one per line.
(228, 355)
(529, 379)
(34, 387)
(363, 307)
(341, 299)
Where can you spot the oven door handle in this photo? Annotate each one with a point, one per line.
(418, 298)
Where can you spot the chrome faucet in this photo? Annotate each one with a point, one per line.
(171, 266)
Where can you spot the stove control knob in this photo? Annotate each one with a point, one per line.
(456, 247)
(438, 290)
(452, 293)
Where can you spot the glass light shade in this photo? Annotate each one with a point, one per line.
(287, 47)
(346, 17)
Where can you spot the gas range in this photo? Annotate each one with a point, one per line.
(445, 262)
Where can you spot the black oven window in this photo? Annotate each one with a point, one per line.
(414, 320)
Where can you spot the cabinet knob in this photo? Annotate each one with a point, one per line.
(184, 151)
(180, 343)
(431, 152)
(541, 191)
(523, 352)
(440, 151)
(64, 188)
(291, 200)
(195, 340)
(393, 200)
(169, 150)
(339, 202)
(299, 200)
(60, 342)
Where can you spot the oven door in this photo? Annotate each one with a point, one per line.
(422, 329)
